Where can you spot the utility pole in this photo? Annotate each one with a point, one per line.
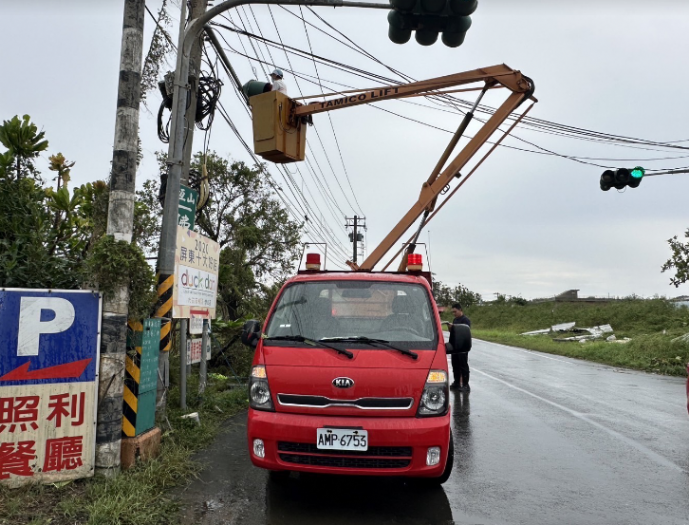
(356, 237)
(120, 225)
(198, 7)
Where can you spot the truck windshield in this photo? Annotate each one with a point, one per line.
(399, 313)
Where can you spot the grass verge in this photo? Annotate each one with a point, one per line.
(650, 353)
(139, 495)
(651, 325)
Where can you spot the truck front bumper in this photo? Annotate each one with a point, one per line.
(397, 446)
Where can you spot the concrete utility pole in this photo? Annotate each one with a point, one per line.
(120, 225)
(198, 7)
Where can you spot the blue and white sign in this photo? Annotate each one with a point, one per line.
(49, 350)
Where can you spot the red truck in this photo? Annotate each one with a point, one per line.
(350, 371)
(350, 376)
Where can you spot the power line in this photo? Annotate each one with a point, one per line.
(344, 167)
(327, 192)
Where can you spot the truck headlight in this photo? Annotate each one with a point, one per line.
(435, 396)
(259, 391)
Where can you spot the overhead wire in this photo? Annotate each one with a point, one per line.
(323, 228)
(530, 121)
(332, 127)
(328, 194)
(322, 188)
(489, 110)
(320, 232)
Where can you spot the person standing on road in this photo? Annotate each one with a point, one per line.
(460, 360)
(277, 82)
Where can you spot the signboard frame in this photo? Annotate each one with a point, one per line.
(88, 454)
(205, 275)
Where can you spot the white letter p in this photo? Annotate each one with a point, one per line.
(31, 327)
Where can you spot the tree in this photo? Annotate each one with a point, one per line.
(679, 260)
(258, 241)
(23, 143)
(54, 238)
(446, 296)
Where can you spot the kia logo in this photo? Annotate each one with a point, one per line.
(343, 382)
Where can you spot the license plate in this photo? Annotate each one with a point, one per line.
(342, 439)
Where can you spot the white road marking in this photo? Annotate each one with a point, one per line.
(638, 446)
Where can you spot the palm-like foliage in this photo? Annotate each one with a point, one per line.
(23, 141)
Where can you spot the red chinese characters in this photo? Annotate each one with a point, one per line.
(15, 458)
(19, 413)
(64, 405)
(63, 454)
(28, 457)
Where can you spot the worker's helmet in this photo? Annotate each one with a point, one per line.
(278, 73)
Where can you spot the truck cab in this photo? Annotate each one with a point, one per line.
(350, 376)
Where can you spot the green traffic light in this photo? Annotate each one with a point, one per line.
(638, 172)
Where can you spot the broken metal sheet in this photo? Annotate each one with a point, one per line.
(563, 327)
(576, 338)
(681, 339)
(537, 332)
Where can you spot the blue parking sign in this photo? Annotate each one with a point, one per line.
(48, 336)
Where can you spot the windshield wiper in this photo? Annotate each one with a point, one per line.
(311, 342)
(381, 342)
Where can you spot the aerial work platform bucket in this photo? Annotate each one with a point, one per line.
(275, 139)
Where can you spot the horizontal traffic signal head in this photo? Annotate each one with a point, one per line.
(621, 177)
(429, 18)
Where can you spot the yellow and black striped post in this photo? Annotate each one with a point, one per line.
(163, 311)
(132, 377)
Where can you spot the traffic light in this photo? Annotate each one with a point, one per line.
(429, 18)
(621, 177)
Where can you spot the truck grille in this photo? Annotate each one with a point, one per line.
(310, 448)
(343, 462)
(373, 458)
(365, 403)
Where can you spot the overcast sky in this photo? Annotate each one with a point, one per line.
(525, 224)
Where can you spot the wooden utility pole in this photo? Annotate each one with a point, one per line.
(120, 226)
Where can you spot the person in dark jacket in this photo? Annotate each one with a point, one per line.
(460, 360)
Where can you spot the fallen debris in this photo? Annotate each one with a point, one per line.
(562, 327)
(681, 339)
(194, 416)
(537, 332)
(589, 334)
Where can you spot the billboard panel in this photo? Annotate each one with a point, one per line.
(49, 350)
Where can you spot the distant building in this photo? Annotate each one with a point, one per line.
(682, 300)
(572, 296)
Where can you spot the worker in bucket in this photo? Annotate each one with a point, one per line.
(277, 82)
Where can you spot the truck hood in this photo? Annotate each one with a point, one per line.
(386, 383)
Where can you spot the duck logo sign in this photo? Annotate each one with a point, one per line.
(49, 349)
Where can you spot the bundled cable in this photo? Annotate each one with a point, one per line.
(206, 101)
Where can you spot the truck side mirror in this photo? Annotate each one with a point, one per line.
(251, 332)
(460, 335)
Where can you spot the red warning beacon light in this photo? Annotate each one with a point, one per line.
(414, 262)
(313, 261)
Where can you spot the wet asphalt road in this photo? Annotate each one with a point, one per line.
(541, 439)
